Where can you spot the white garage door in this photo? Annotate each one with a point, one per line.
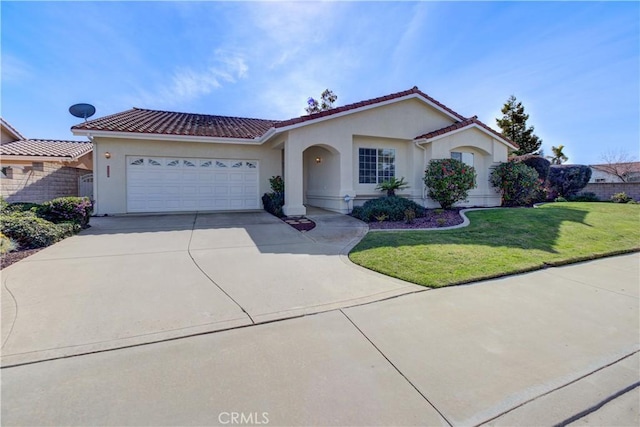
(162, 184)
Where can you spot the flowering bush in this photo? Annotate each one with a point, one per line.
(518, 182)
(449, 181)
(68, 209)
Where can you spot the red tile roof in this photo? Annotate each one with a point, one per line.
(138, 120)
(462, 124)
(366, 103)
(629, 167)
(46, 148)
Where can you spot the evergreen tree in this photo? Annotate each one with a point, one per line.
(514, 126)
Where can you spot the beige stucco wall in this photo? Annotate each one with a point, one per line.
(487, 152)
(111, 192)
(397, 123)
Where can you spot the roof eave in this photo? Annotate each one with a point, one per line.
(166, 137)
(9, 157)
(17, 135)
(469, 126)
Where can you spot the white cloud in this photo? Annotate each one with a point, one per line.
(189, 83)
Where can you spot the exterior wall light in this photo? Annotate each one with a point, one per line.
(107, 155)
(318, 160)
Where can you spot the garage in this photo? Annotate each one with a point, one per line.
(172, 184)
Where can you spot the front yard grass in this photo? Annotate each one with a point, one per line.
(503, 241)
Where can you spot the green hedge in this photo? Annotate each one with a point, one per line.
(30, 231)
(390, 208)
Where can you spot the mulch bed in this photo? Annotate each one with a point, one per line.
(12, 257)
(432, 219)
(300, 223)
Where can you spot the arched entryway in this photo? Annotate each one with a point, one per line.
(321, 177)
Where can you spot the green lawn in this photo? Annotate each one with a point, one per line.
(503, 241)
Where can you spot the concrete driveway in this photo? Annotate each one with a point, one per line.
(140, 279)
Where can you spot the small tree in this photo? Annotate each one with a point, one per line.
(567, 180)
(449, 181)
(518, 183)
(558, 157)
(391, 185)
(514, 126)
(327, 98)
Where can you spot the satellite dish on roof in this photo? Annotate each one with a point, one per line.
(82, 111)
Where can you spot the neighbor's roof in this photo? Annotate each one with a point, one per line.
(11, 129)
(138, 120)
(462, 124)
(367, 103)
(65, 150)
(630, 167)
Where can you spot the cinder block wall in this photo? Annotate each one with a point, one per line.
(40, 182)
(604, 190)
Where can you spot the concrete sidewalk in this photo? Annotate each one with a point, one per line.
(553, 346)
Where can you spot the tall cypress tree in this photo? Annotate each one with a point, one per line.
(514, 126)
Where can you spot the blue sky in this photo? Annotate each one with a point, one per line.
(575, 66)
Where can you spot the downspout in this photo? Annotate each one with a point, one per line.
(95, 174)
(424, 162)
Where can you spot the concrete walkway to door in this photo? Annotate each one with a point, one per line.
(139, 279)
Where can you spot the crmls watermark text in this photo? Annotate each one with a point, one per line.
(251, 418)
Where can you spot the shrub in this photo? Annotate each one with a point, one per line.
(31, 232)
(393, 208)
(274, 201)
(560, 199)
(621, 198)
(540, 164)
(21, 207)
(7, 245)
(567, 180)
(587, 196)
(409, 216)
(391, 185)
(518, 183)
(277, 184)
(449, 181)
(67, 209)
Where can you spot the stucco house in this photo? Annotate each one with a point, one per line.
(613, 172)
(158, 161)
(37, 170)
